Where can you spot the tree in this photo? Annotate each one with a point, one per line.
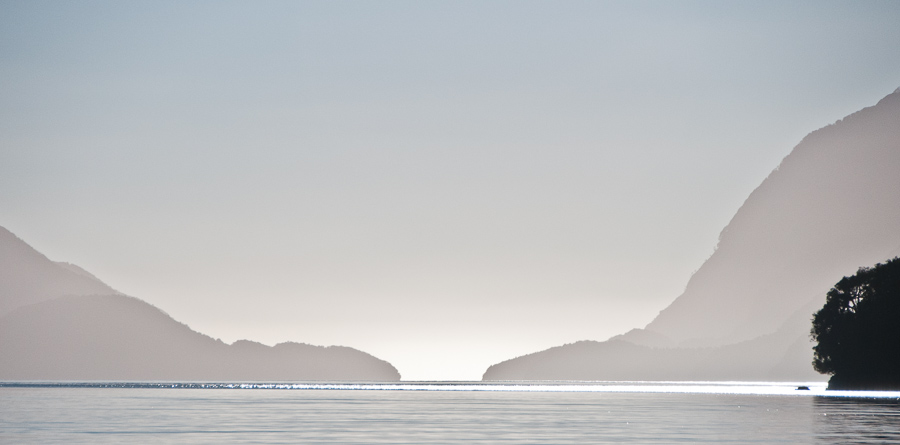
(858, 330)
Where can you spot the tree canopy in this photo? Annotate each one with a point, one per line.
(858, 330)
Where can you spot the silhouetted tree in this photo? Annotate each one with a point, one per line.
(858, 330)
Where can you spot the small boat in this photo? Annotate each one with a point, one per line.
(804, 388)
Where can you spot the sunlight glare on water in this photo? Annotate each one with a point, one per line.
(431, 413)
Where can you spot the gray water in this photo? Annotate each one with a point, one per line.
(438, 414)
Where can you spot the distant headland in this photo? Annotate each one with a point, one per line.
(59, 322)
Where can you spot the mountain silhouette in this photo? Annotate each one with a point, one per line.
(59, 322)
(831, 206)
(27, 276)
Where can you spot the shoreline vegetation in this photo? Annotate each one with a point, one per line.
(857, 331)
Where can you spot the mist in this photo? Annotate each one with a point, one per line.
(441, 185)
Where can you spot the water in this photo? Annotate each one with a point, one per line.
(612, 412)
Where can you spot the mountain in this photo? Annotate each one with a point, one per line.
(116, 337)
(59, 322)
(830, 207)
(27, 276)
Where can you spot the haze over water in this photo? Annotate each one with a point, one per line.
(442, 185)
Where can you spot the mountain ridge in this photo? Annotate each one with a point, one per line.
(830, 206)
(60, 322)
(28, 276)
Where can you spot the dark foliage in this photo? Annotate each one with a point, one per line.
(858, 330)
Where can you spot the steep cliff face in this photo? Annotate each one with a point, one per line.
(831, 206)
(61, 323)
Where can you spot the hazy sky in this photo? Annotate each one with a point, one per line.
(445, 185)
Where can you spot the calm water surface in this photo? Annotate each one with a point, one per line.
(436, 414)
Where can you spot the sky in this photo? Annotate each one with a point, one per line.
(445, 185)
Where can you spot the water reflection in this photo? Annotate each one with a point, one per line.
(442, 413)
(857, 420)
